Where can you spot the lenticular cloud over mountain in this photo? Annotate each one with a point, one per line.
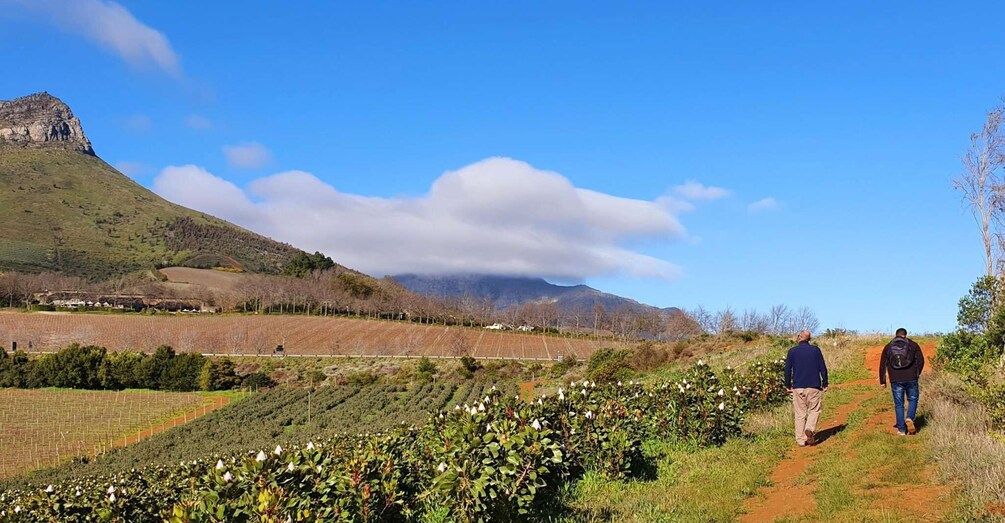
(496, 216)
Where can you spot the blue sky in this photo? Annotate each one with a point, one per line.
(846, 122)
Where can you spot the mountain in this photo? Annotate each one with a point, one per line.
(508, 291)
(62, 208)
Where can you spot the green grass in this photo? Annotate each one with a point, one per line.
(64, 210)
(708, 484)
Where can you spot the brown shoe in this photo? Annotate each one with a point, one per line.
(811, 438)
(911, 429)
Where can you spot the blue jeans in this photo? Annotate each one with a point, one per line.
(899, 389)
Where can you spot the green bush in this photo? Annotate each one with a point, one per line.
(608, 365)
(498, 459)
(257, 380)
(218, 374)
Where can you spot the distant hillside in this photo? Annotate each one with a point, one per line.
(507, 291)
(64, 209)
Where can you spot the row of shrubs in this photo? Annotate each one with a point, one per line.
(498, 459)
(976, 350)
(91, 367)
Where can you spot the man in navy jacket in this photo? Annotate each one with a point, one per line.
(806, 379)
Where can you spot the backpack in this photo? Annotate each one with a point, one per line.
(900, 354)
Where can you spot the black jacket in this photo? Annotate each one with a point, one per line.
(900, 375)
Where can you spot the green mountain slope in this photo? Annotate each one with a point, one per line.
(64, 209)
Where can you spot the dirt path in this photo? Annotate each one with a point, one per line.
(206, 408)
(794, 486)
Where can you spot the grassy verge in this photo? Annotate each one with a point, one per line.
(968, 452)
(708, 484)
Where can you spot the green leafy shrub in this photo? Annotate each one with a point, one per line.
(609, 365)
(494, 459)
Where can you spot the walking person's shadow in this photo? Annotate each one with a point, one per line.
(827, 433)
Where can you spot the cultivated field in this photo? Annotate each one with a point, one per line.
(41, 428)
(300, 335)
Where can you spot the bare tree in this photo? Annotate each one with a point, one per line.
(981, 179)
(704, 318)
(725, 321)
(778, 320)
(806, 319)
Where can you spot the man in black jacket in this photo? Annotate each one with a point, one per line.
(903, 360)
(806, 379)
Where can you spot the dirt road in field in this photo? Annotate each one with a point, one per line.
(181, 419)
(792, 494)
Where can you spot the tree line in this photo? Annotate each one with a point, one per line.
(94, 368)
(324, 289)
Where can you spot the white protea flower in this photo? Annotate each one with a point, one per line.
(481, 407)
(319, 469)
(111, 489)
(111, 498)
(583, 392)
(593, 384)
(540, 401)
(457, 407)
(561, 396)
(680, 388)
(219, 464)
(49, 489)
(227, 476)
(442, 467)
(78, 493)
(735, 389)
(290, 467)
(17, 509)
(700, 363)
(486, 400)
(310, 444)
(721, 392)
(572, 385)
(536, 425)
(261, 456)
(278, 451)
(488, 427)
(722, 405)
(619, 384)
(589, 414)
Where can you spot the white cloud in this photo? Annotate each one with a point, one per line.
(249, 155)
(198, 122)
(764, 204)
(195, 187)
(692, 190)
(111, 26)
(132, 169)
(498, 216)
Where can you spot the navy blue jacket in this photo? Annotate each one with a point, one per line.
(805, 367)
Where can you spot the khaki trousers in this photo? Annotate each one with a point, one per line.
(806, 405)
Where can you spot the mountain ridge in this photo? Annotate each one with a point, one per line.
(510, 291)
(64, 209)
(40, 120)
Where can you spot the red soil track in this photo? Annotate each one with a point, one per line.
(218, 402)
(790, 497)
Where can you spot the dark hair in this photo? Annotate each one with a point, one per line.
(901, 332)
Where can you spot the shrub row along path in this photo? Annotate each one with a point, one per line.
(860, 469)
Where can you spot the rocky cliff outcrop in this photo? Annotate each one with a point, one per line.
(41, 120)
